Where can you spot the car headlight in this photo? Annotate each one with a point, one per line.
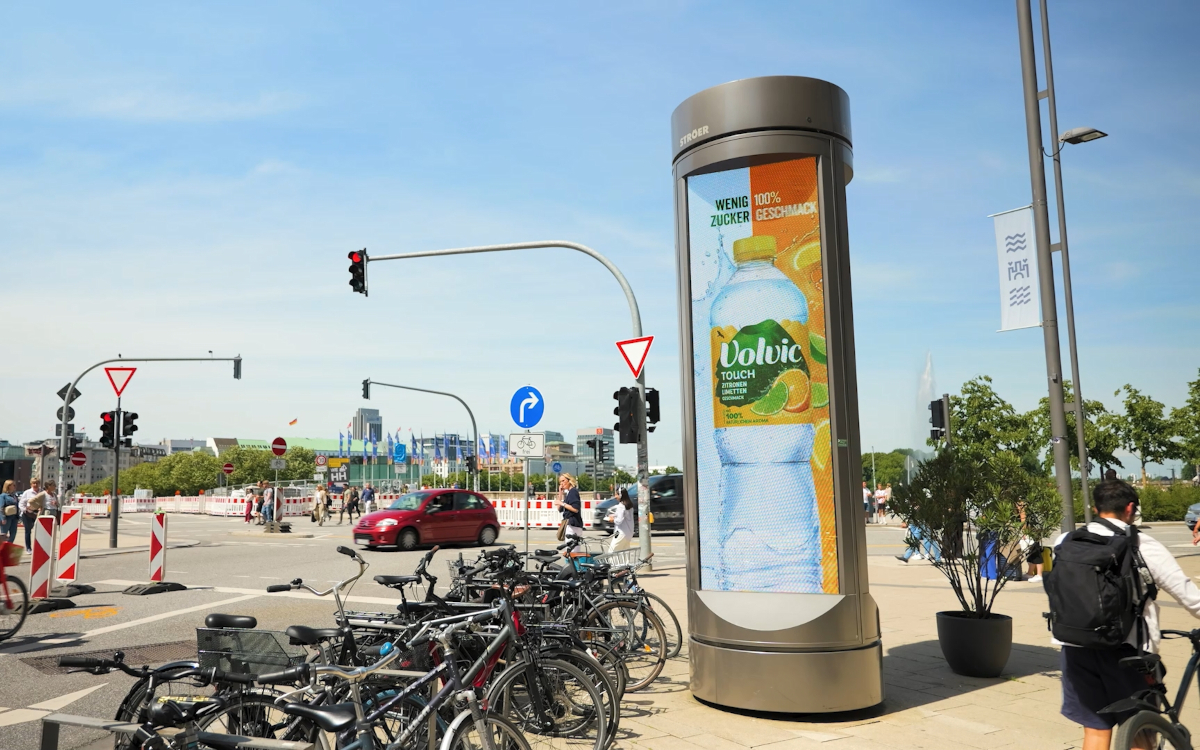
(386, 522)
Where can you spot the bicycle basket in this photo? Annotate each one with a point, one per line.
(625, 558)
(11, 553)
(247, 651)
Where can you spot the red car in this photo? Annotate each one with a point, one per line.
(430, 517)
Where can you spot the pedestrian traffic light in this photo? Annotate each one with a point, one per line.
(627, 427)
(108, 429)
(652, 414)
(937, 418)
(128, 426)
(367, 389)
(358, 271)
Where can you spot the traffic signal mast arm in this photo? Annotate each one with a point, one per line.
(367, 383)
(643, 453)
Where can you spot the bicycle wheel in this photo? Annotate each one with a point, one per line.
(599, 676)
(574, 715)
(613, 665)
(399, 717)
(1148, 729)
(168, 684)
(504, 734)
(14, 606)
(636, 633)
(256, 715)
(670, 624)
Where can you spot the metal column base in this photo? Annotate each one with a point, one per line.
(787, 682)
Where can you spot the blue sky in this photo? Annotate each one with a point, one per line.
(177, 178)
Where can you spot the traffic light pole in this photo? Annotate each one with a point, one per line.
(451, 395)
(643, 452)
(114, 509)
(64, 441)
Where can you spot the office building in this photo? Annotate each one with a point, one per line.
(366, 425)
(585, 454)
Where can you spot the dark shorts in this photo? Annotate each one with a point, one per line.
(1093, 679)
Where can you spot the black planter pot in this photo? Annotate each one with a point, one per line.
(975, 647)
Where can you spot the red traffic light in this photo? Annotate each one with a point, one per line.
(355, 257)
(106, 417)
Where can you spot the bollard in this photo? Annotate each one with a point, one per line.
(41, 564)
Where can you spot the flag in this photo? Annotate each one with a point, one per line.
(414, 448)
(374, 449)
(488, 444)
(503, 449)
(437, 449)
(390, 446)
(364, 451)
(458, 452)
(1016, 252)
(293, 422)
(446, 445)
(339, 445)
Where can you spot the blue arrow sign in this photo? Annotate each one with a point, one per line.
(557, 467)
(527, 406)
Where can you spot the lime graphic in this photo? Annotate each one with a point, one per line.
(822, 446)
(820, 395)
(816, 347)
(773, 402)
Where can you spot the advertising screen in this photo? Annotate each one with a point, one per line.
(763, 443)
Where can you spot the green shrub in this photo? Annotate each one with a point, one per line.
(1167, 505)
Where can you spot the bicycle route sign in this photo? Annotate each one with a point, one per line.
(527, 444)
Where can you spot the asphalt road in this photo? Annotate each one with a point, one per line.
(229, 573)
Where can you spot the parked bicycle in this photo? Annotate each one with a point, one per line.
(1155, 722)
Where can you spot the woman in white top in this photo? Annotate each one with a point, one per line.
(622, 516)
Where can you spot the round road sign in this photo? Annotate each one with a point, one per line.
(279, 446)
(227, 468)
(78, 458)
(321, 459)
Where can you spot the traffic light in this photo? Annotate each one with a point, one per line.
(72, 446)
(471, 465)
(652, 414)
(367, 389)
(237, 367)
(128, 427)
(601, 452)
(937, 418)
(627, 427)
(108, 429)
(358, 271)
(592, 444)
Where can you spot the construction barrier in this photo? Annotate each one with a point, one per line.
(542, 513)
(67, 556)
(158, 547)
(39, 562)
(91, 505)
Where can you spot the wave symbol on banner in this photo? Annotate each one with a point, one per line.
(1019, 295)
(1014, 243)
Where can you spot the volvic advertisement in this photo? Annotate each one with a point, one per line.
(763, 441)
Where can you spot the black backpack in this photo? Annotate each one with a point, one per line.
(1098, 587)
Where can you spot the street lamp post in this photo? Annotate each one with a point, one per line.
(471, 414)
(643, 454)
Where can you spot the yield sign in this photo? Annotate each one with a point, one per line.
(119, 377)
(634, 351)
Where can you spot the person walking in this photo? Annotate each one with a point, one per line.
(10, 511)
(1031, 549)
(621, 515)
(568, 505)
(924, 546)
(30, 505)
(367, 500)
(880, 502)
(268, 493)
(249, 507)
(256, 493)
(349, 503)
(324, 504)
(1094, 678)
(867, 501)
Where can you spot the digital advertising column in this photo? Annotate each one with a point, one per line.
(780, 616)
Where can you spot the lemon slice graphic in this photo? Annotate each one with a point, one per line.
(822, 446)
(773, 402)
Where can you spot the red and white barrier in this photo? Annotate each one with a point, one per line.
(39, 562)
(158, 547)
(91, 505)
(67, 556)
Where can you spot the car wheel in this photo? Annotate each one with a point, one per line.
(487, 536)
(407, 540)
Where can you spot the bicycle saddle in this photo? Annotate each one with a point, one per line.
(335, 718)
(396, 580)
(563, 583)
(302, 635)
(1144, 663)
(242, 622)
(545, 553)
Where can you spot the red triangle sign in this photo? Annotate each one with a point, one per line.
(119, 377)
(634, 351)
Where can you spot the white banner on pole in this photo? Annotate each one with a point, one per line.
(1020, 305)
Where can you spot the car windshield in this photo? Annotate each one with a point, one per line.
(411, 501)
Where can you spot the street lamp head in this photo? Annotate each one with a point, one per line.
(1081, 135)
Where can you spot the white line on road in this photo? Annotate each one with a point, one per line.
(133, 624)
(38, 710)
(263, 593)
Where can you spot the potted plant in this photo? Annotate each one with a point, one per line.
(963, 509)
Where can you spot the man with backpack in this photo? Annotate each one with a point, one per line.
(1102, 590)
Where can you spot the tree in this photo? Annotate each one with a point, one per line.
(983, 424)
(1186, 423)
(1099, 434)
(672, 470)
(1144, 430)
(889, 468)
(188, 472)
(620, 476)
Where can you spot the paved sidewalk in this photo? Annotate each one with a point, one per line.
(926, 705)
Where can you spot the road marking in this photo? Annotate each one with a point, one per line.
(90, 613)
(133, 624)
(38, 710)
(260, 592)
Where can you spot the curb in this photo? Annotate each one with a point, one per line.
(136, 550)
